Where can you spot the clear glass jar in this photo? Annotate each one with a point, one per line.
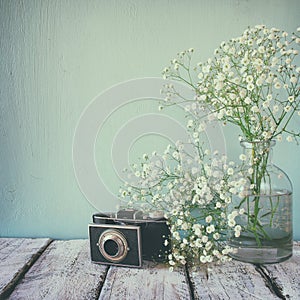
(262, 230)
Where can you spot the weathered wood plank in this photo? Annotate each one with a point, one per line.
(152, 282)
(233, 280)
(285, 276)
(16, 256)
(64, 271)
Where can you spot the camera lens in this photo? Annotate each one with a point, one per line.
(113, 245)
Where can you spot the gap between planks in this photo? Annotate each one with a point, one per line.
(238, 280)
(63, 271)
(28, 251)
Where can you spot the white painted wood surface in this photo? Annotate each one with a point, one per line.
(286, 275)
(234, 280)
(63, 271)
(151, 282)
(41, 269)
(16, 257)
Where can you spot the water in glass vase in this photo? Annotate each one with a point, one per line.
(267, 235)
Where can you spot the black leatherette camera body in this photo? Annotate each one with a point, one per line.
(128, 237)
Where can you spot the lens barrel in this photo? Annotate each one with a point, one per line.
(113, 245)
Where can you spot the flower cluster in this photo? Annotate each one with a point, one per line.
(252, 82)
(193, 188)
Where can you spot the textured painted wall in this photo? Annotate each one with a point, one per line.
(56, 56)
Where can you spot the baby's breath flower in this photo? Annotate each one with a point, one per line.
(293, 79)
(291, 98)
(230, 171)
(231, 222)
(242, 157)
(190, 123)
(237, 233)
(208, 219)
(277, 85)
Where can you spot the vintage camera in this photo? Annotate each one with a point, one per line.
(128, 237)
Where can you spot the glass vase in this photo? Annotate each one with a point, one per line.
(262, 230)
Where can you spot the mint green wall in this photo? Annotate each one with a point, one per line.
(58, 55)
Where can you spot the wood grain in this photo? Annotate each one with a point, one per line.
(234, 280)
(152, 282)
(64, 271)
(285, 276)
(16, 257)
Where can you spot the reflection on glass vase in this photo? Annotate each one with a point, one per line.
(263, 231)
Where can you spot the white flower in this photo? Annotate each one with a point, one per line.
(242, 157)
(190, 123)
(230, 171)
(172, 263)
(216, 236)
(201, 127)
(269, 97)
(206, 69)
(185, 226)
(218, 205)
(245, 61)
(293, 79)
(208, 219)
(288, 61)
(250, 86)
(261, 49)
(210, 228)
(249, 78)
(198, 243)
(179, 222)
(289, 138)
(231, 222)
(291, 99)
(277, 85)
(247, 100)
(255, 109)
(266, 104)
(241, 211)
(237, 233)
(198, 232)
(203, 259)
(204, 239)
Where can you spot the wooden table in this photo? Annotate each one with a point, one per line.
(46, 269)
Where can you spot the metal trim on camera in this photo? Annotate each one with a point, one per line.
(113, 245)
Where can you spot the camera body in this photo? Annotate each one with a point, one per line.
(128, 237)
